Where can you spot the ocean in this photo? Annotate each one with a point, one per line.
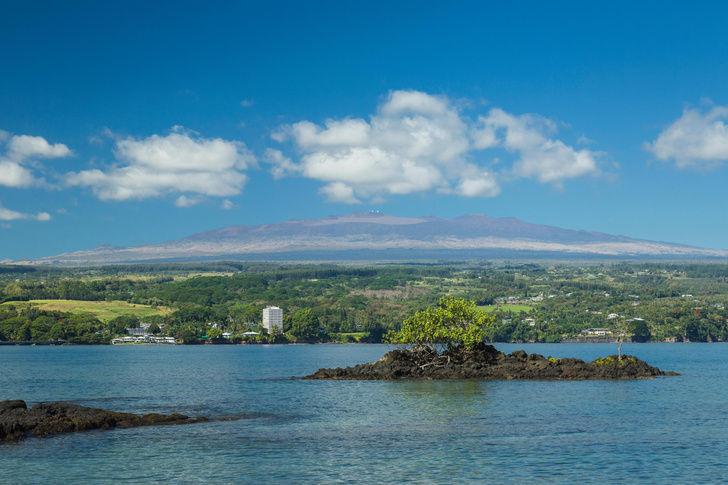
(287, 430)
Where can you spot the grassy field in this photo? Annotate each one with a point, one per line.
(103, 310)
(357, 336)
(507, 308)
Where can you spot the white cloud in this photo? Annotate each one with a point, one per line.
(179, 152)
(337, 134)
(279, 136)
(181, 162)
(282, 165)
(546, 159)
(417, 142)
(228, 205)
(695, 140)
(19, 154)
(583, 140)
(478, 184)
(415, 102)
(11, 215)
(339, 192)
(184, 201)
(246, 103)
(24, 146)
(13, 174)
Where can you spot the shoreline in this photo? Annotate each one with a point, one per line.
(31, 343)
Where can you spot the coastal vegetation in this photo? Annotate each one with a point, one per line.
(526, 301)
(455, 327)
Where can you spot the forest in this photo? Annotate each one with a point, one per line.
(199, 302)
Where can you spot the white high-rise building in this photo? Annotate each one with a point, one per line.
(272, 317)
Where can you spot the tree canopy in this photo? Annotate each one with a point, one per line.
(305, 324)
(454, 322)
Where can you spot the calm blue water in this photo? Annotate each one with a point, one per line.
(667, 430)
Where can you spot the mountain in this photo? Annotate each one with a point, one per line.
(367, 235)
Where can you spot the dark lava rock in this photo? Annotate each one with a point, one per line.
(485, 362)
(45, 419)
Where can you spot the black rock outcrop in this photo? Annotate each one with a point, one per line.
(485, 362)
(17, 421)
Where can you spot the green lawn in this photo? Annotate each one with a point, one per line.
(103, 310)
(354, 335)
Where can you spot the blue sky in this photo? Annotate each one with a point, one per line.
(136, 122)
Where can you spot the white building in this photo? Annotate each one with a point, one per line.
(272, 317)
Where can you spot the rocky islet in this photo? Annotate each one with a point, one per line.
(18, 421)
(485, 362)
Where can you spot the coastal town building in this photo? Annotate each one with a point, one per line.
(144, 340)
(272, 317)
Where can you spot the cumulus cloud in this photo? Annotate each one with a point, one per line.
(16, 164)
(11, 215)
(184, 201)
(13, 174)
(418, 142)
(695, 140)
(339, 192)
(538, 155)
(227, 205)
(477, 183)
(25, 146)
(282, 165)
(182, 162)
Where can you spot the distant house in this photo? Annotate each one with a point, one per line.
(612, 315)
(596, 331)
(163, 340)
(530, 321)
(227, 335)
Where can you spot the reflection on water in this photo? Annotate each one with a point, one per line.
(440, 397)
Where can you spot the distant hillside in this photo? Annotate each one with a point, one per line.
(344, 237)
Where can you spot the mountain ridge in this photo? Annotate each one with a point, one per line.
(375, 231)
